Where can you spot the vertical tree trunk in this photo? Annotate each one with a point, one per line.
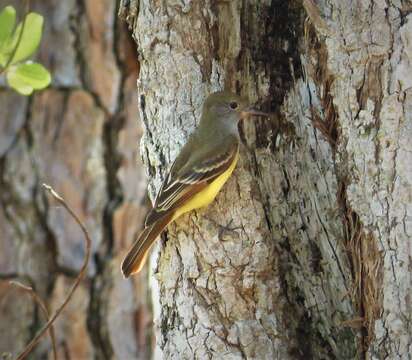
(305, 253)
(79, 136)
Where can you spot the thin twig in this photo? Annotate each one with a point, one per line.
(79, 278)
(40, 302)
(10, 59)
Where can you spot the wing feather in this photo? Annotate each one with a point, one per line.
(177, 186)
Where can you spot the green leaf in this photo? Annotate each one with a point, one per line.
(30, 39)
(7, 21)
(25, 78)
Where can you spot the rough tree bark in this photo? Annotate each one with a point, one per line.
(79, 136)
(306, 253)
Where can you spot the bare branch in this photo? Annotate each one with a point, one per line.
(43, 307)
(79, 278)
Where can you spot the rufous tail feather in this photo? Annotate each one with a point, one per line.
(137, 254)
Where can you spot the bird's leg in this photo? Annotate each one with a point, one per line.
(227, 228)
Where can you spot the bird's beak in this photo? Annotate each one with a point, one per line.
(250, 111)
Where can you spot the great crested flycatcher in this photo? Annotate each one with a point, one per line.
(198, 173)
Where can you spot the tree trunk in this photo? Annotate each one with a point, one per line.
(306, 251)
(79, 136)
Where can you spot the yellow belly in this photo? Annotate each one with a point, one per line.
(208, 194)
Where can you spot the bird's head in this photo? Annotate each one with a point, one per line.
(224, 106)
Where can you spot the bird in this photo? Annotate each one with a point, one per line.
(202, 167)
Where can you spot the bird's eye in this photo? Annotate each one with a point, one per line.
(233, 105)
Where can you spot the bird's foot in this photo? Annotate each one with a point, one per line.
(224, 229)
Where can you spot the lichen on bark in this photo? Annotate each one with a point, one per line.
(304, 251)
(230, 279)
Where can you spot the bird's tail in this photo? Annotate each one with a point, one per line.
(137, 254)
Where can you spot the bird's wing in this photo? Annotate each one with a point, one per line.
(192, 178)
